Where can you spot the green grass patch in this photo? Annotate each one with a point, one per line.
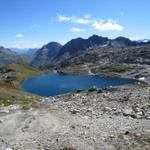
(109, 74)
(23, 71)
(10, 91)
(120, 68)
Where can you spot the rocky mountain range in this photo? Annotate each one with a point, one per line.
(56, 55)
(110, 118)
(79, 45)
(53, 54)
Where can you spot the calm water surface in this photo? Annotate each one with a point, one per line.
(56, 84)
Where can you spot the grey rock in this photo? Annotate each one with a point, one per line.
(107, 109)
(8, 149)
(140, 113)
(5, 110)
(89, 110)
(127, 112)
(148, 118)
(74, 111)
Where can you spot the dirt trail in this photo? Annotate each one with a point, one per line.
(54, 130)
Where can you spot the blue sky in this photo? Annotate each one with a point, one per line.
(32, 23)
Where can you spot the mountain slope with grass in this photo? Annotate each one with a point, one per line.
(11, 76)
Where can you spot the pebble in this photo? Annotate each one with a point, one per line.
(138, 134)
(139, 113)
(14, 107)
(4, 111)
(114, 109)
(107, 109)
(8, 148)
(127, 133)
(137, 109)
(73, 127)
(89, 110)
(74, 111)
(147, 104)
(127, 111)
(148, 118)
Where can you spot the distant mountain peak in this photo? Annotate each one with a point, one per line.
(51, 44)
(46, 54)
(94, 36)
(121, 38)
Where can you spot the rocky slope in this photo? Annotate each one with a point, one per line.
(53, 53)
(79, 45)
(115, 118)
(45, 55)
(130, 61)
(98, 119)
(108, 119)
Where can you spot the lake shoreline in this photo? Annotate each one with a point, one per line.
(54, 84)
(109, 118)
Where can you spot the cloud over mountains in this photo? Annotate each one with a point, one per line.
(97, 24)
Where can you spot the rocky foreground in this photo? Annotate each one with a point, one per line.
(106, 119)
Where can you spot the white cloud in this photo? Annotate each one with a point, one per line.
(25, 44)
(77, 30)
(19, 35)
(97, 24)
(73, 19)
(62, 18)
(36, 26)
(81, 21)
(107, 26)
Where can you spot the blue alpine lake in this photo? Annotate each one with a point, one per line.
(56, 84)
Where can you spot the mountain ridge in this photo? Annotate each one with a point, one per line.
(45, 54)
(77, 46)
